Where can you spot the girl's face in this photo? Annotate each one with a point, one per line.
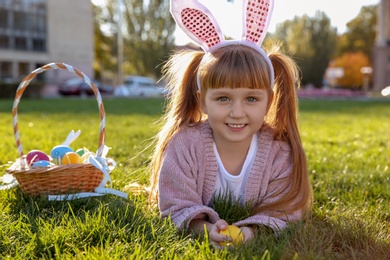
(235, 114)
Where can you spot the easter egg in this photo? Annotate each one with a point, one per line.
(71, 158)
(59, 151)
(40, 164)
(81, 151)
(235, 233)
(85, 157)
(36, 155)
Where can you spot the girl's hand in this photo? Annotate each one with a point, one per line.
(248, 233)
(214, 236)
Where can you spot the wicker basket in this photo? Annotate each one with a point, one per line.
(58, 179)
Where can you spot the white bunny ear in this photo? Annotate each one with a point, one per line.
(257, 15)
(197, 22)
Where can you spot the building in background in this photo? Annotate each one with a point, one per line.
(37, 32)
(382, 48)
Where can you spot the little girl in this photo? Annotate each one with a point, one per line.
(230, 127)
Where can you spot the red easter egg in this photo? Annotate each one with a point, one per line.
(36, 155)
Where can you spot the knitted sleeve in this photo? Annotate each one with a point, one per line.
(181, 181)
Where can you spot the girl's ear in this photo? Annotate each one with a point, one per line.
(204, 108)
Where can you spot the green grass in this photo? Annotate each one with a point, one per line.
(348, 148)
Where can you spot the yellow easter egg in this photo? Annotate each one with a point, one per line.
(71, 158)
(235, 233)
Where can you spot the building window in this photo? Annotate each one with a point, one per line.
(20, 21)
(23, 69)
(38, 45)
(4, 42)
(5, 71)
(23, 25)
(20, 43)
(3, 18)
(37, 23)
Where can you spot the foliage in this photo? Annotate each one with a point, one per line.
(150, 39)
(347, 146)
(311, 41)
(105, 46)
(361, 33)
(230, 209)
(147, 33)
(351, 64)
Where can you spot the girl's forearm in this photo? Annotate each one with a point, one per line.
(198, 225)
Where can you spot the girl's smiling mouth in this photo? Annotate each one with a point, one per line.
(236, 125)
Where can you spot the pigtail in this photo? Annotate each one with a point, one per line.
(283, 118)
(183, 108)
(283, 113)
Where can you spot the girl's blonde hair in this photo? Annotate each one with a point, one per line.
(236, 66)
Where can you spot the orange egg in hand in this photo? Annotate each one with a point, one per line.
(71, 158)
(235, 233)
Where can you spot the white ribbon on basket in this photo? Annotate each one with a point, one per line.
(9, 182)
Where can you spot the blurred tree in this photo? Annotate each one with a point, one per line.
(105, 48)
(360, 34)
(149, 40)
(311, 41)
(351, 62)
(147, 29)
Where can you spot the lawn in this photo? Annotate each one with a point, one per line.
(348, 148)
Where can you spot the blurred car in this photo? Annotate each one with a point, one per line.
(386, 91)
(139, 86)
(77, 87)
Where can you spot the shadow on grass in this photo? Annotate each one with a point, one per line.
(342, 237)
(52, 228)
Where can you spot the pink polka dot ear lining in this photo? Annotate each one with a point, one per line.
(257, 18)
(200, 25)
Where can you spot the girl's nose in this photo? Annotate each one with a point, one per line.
(237, 110)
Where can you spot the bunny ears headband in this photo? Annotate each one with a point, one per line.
(201, 26)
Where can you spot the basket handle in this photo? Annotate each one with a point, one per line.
(52, 66)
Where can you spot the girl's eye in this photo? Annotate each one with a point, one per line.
(223, 99)
(252, 99)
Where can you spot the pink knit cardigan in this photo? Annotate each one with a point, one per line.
(189, 170)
